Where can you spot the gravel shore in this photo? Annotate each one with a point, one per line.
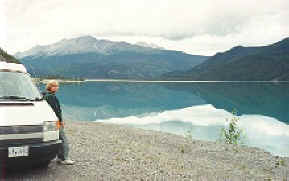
(114, 152)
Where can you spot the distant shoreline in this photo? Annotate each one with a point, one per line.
(44, 81)
(173, 81)
(149, 81)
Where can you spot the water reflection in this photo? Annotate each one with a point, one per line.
(268, 99)
(94, 101)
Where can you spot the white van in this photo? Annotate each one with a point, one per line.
(29, 133)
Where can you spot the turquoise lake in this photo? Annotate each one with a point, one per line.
(200, 108)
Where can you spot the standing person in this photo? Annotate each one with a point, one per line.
(51, 88)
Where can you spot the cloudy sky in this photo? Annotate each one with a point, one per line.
(194, 26)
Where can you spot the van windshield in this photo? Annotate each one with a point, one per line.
(17, 86)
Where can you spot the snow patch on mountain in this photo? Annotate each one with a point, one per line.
(85, 44)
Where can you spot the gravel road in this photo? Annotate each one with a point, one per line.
(114, 152)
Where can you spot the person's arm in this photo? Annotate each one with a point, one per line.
(51, 100)
(59, 111)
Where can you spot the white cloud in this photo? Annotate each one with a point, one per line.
(199, 27)
(3, 26)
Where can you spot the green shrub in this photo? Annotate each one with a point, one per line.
(232, 134)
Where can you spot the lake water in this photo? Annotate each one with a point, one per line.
(200, 108)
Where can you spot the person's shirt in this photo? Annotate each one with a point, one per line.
(54, 103)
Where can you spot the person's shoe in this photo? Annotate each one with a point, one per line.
(58, 160)
(67, 162)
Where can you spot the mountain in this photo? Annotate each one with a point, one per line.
(266, 63)
(5, 57)
(80, 45)
(88, 57)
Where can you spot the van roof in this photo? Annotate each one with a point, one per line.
(12, 67)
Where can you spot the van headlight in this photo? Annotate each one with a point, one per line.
(50, 126)
(50, 131)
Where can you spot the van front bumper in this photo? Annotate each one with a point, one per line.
(38, 153)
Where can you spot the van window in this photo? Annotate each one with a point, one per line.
(13, 84)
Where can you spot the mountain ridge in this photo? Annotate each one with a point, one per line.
(84, 44)
(264, 63)
(88, 57)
